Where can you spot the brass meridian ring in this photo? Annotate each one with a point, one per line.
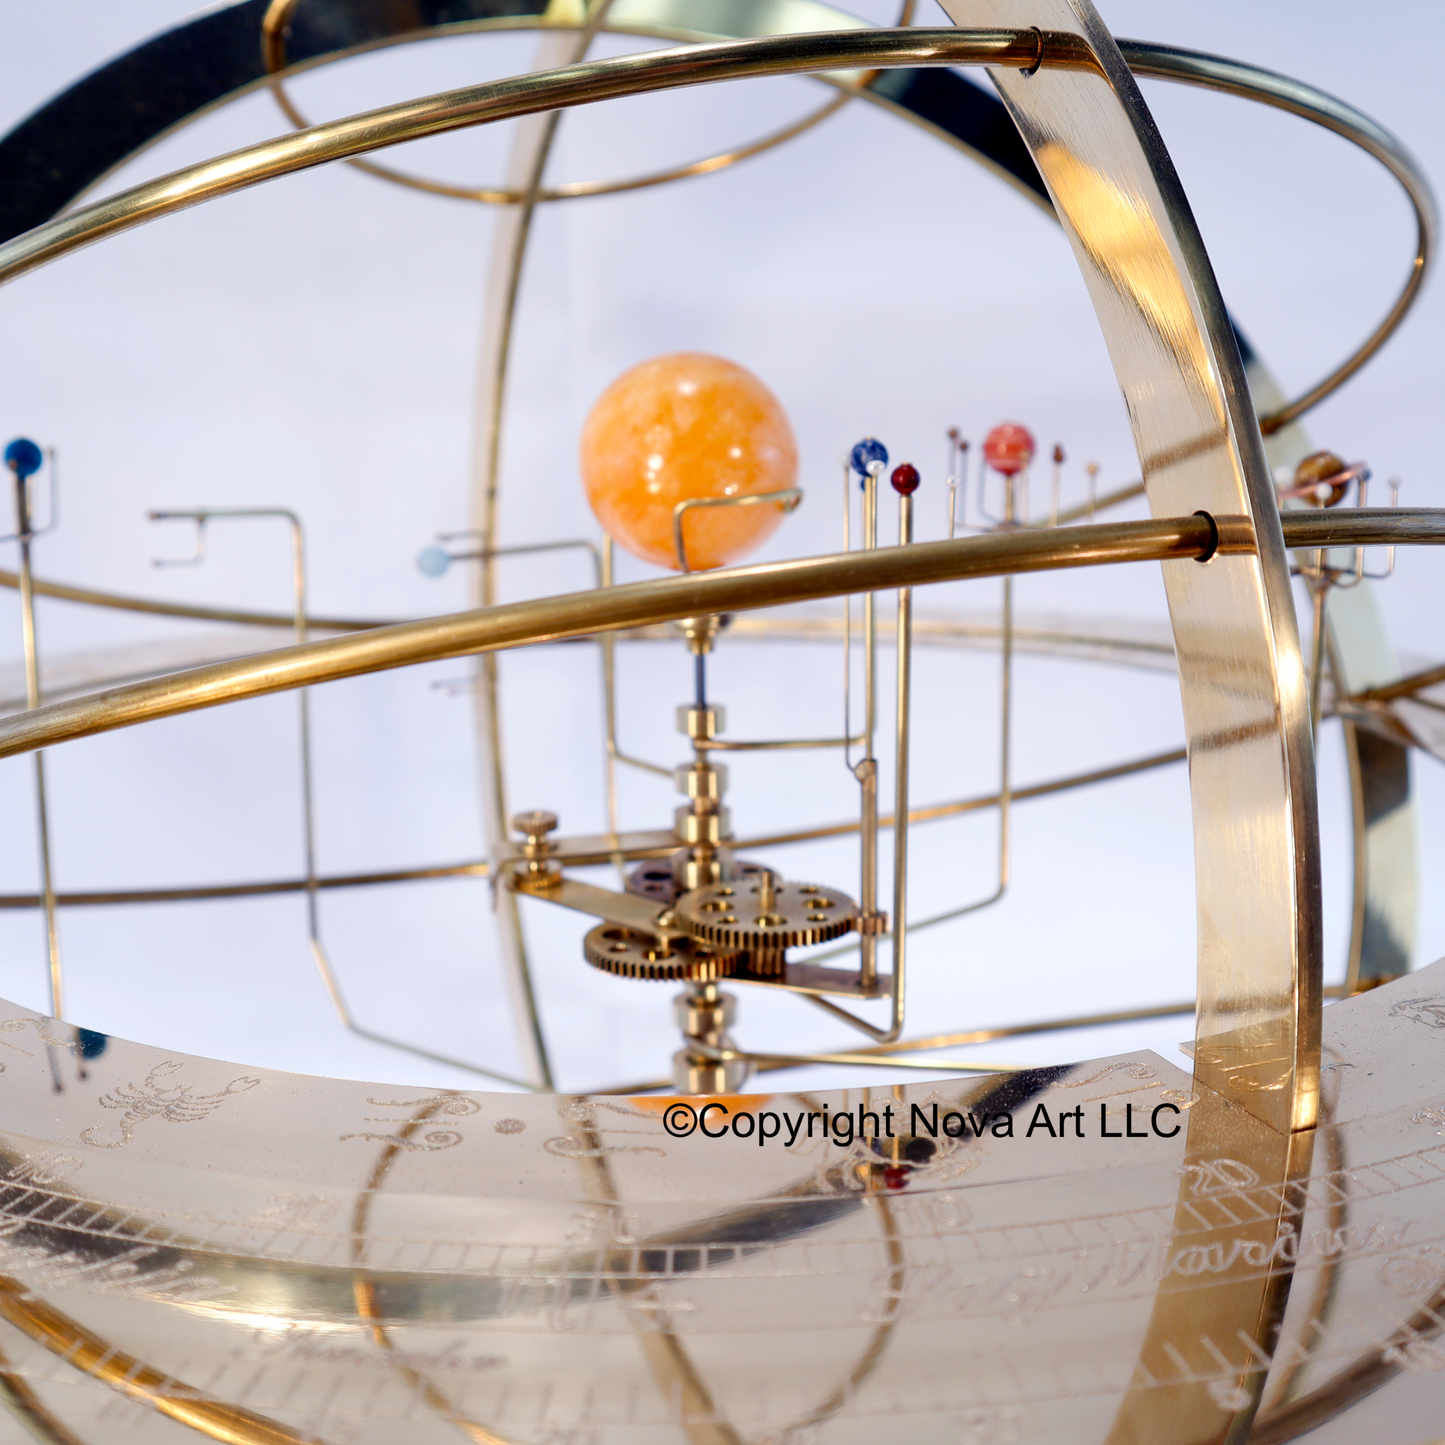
(276, 23)
(729, 915)
(631, 953)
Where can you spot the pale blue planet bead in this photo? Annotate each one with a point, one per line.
(434, 561)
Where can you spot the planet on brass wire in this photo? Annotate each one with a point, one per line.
(1009, 448)
(683, 427)
(23, 457)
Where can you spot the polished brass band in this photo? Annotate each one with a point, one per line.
(638, 604)
(581, 614)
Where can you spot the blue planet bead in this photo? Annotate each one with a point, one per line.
(433, 561)
(23, 457)
(92, 1044)
(868, 451)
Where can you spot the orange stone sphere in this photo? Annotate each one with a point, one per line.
(678, 427)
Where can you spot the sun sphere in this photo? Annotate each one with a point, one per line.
(1009, 448)
(681, 427)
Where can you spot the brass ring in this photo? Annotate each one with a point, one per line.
(1281, 92)
(275, 25)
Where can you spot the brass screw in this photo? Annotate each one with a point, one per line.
(534, 828)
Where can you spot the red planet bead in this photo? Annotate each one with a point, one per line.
(905, 480)
(1009, 448)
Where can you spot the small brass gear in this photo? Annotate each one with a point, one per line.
(631, 953)
(732, 915)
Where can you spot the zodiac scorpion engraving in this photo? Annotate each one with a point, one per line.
(176, 1103)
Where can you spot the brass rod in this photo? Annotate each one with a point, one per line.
(859, 1058)
(1098, 504)
(24, 535)
(582, 614)
(1363, 527)
(824, 52)
(1403, 687)
(529, 94)
(585, 614)
(102, 1361)
(97, 899)
(1319, 596)
(17, 1395)
(935, 811)
(1046, 1026)
(867, 770)
(903, 737)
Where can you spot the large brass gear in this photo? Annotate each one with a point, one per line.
(631, 953)
(731, 915)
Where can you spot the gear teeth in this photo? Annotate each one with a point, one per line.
(726, 916)
(630, 953)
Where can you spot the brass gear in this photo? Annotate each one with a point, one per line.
(631, 953)
(727, 915)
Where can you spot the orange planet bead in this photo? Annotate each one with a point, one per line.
(678, 427)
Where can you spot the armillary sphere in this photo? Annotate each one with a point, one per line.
(1108, 1251)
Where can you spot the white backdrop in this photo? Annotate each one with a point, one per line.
(313, 343)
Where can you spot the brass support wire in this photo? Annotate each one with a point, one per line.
(531, 150)
(275, 25)
(121, 602)
(311, 883)
(1004, 799)
(582, 614)
(481, 869)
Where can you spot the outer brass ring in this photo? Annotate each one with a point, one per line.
(1250, 82)
(851, 50)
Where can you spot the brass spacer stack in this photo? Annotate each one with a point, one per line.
(539, 869)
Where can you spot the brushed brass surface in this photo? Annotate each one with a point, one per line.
(250, 1252)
